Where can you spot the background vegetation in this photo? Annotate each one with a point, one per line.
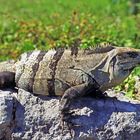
(43, 24)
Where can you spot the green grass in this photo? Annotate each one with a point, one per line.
(42, 24)
(43, 9)
(27, 25)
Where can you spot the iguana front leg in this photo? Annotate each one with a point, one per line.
(71, 94)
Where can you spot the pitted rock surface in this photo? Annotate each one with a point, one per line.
(37, 118)
(7, 103)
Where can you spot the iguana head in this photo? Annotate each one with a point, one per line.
(127, 58)
(122, 64)
(116, 66)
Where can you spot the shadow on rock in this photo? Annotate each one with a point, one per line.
(103, 115)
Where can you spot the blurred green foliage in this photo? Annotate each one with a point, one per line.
(128, 86)
(28, 25)
(43, 24)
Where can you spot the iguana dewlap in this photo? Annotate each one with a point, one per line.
(71, 73)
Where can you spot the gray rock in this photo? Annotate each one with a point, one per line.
(37, 118)
(6, 114)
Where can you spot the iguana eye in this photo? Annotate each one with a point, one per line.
(132, 54)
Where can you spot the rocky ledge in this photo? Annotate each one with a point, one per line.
(24, 116)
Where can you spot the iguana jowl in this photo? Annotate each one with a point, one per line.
(71, 73)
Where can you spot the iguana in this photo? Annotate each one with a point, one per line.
(70, 73)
